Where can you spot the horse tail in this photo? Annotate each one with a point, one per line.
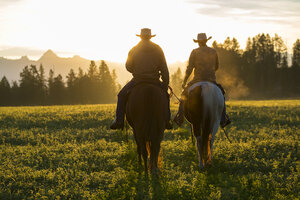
(205, 128)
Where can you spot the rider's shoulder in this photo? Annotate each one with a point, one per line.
(155, 45)
(207, 49)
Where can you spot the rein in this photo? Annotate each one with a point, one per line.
(226, 135)
(172, 93)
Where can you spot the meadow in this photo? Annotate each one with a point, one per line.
(69, 152)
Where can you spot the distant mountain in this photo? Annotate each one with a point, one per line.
(12, 68)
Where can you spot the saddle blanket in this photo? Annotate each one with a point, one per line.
(197, 84)
(206, 83)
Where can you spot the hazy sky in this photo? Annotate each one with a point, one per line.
(105, 29)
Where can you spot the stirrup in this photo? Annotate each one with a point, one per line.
(169, 125)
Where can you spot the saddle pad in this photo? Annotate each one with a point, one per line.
(197, 84)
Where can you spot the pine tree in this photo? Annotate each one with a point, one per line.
(296, 54)
(107, 84)
(5, 92)
(92, 71)
(295, 70)
(31, 88)
(57, 91)
(71, 87)
(41, 85)
(15, 94)
(50, 81)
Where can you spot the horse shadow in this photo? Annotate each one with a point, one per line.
(149, 187)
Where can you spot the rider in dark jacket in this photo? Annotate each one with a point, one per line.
(204, 61)
(147, 63)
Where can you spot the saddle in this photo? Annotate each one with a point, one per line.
(158, 84)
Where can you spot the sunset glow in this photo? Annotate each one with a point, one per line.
(106, 29)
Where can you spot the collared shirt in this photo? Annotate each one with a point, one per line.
(146, 62)
(205, 62)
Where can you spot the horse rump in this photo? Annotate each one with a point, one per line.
(201, 111)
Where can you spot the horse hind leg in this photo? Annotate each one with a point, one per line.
(155, 149)
(209, 160)
(197, 134)
(144, 153)
(200, 158)
(138, 144)
(139, 154)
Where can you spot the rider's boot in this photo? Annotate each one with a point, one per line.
(118, 123)
(169, 125)
(225, 120)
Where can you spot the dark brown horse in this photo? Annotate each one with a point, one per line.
(203, 109)
(146, 112)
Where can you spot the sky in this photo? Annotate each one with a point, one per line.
(106, 29)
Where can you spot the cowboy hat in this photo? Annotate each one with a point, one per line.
(202, 37)
(145, 32)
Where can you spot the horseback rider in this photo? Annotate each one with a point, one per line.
(204, 61)
(147, 63)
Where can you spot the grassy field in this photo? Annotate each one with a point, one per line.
(68, 152)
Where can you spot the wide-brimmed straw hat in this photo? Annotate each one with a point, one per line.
(202, 37)
(145, 32)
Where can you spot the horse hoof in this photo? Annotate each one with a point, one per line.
(209, 164)
(155, 172)
(201, 166)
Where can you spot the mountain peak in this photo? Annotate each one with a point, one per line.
(24, 58)
(48, 54)
(76, 57)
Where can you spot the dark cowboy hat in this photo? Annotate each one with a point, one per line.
(145, 32)
(202, 37)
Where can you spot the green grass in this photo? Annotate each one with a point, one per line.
(68, 152)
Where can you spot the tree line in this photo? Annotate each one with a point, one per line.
(97, 85)
(261, 70)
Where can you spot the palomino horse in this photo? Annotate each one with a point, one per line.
(203, 109)
(146, 113)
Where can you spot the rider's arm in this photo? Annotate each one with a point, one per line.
(164, 69)
(129, 62)
(189, 68)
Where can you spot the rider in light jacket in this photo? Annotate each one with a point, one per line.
(204, 61)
